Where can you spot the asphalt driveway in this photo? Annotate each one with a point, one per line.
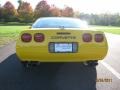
(61, 76)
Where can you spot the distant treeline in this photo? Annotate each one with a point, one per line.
(101, 19)
(25, 13)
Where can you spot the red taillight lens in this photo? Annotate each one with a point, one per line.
(99, 37)
(87, 37)
(26, 37)
(39, 37)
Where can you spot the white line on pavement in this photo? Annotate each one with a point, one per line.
(111, 69)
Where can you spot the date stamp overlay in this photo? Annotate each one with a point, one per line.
(104, 80)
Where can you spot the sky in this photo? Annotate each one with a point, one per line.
(86, 6)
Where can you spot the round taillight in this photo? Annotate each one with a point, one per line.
(87, 37)
(39, 37)
(26, 37)
(99, 37)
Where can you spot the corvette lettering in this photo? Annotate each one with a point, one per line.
(63, 33)
(63, 37)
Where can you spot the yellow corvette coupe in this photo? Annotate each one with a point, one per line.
(61, 39)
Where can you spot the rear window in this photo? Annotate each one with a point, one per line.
(59, 22)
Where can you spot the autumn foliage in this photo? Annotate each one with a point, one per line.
(67, 12)
(54, 11)
(25, 13)
(42, 9)
(9, 11)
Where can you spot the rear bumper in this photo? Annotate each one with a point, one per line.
(42, 54)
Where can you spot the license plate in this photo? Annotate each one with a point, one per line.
(63, 47)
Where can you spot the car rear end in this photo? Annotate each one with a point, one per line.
(56, 45)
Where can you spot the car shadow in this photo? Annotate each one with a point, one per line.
(46, 76)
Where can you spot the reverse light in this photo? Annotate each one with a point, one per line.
(39, 37)
(26, 37)
(87, 37)
(99, 37)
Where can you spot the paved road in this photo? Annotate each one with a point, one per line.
(61, 76)
(7, 51)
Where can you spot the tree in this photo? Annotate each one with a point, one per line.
(25, 12)
(54, 11)
(9, 11)
(1, 13)
(67, 12)
(42, 9)
(19, 2)
(105, 19)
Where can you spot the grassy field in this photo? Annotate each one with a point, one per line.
(10, 33)
(109, 29)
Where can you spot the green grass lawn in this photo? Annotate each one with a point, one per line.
(10, 33)
(113, 31)
(109, 29)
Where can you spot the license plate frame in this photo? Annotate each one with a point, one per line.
(63, 47)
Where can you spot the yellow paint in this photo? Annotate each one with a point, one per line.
(35, 51)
